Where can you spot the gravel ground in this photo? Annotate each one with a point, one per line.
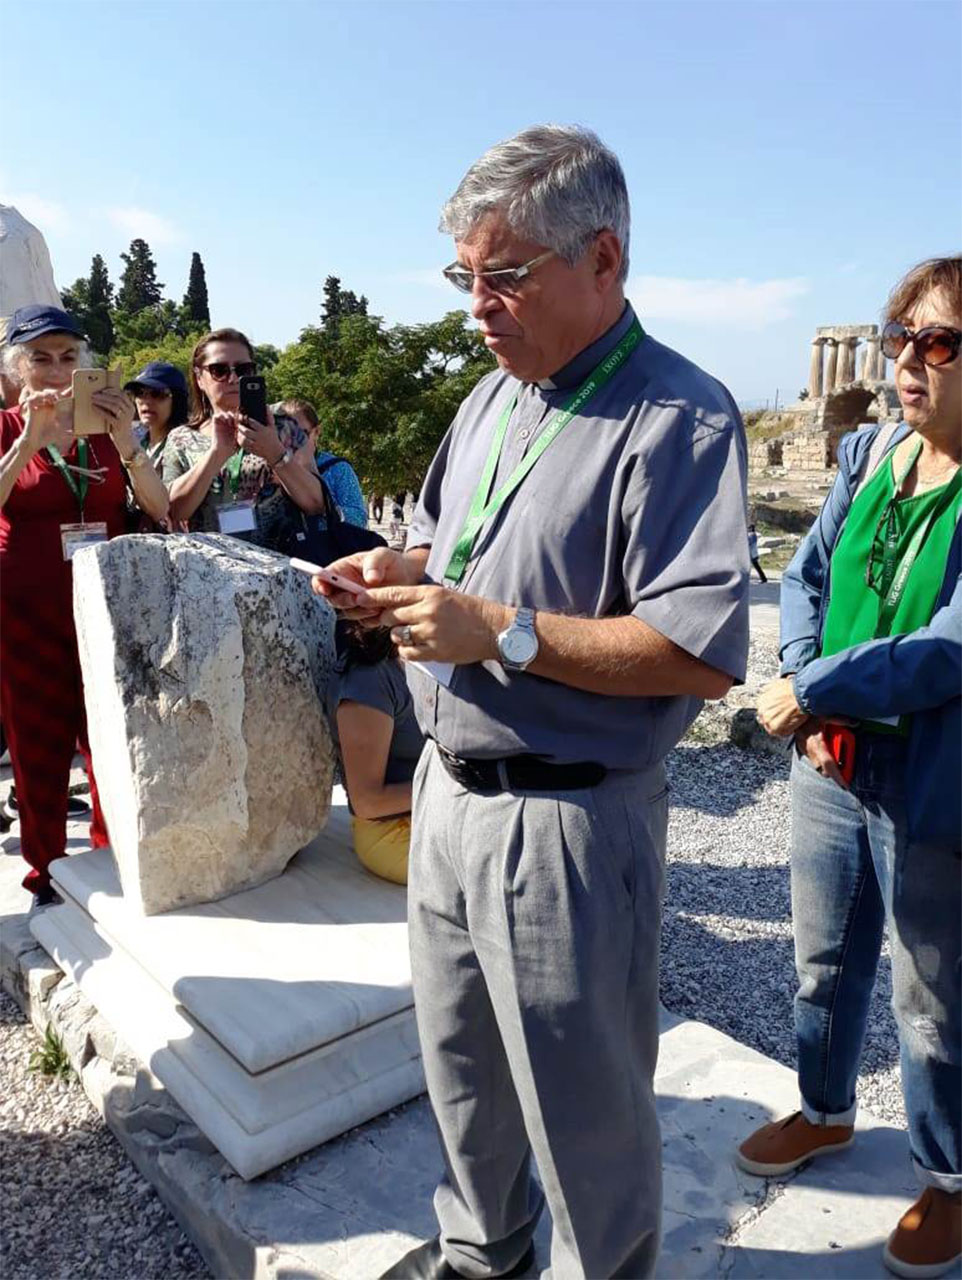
(71, 1203)
(727, 952)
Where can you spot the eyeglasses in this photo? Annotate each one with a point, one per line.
(220, 370)
(150, 393)
(506, 280)
(934, 345)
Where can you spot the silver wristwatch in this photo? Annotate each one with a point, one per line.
(285, 457)
(518, 643)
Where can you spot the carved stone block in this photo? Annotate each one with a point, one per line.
(205, 663)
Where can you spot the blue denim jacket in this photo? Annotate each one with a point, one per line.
(917, 674)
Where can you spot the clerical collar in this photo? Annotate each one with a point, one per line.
(575, 371)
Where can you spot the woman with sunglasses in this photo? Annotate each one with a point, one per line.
(58, 494)
(872, 675)
(224, 470)
(159, 394)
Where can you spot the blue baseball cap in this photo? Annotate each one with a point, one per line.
(159, 376)
(34, 321)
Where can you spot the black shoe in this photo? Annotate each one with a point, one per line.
(10, 810)
(77, 807)
(47, 897)
(427, 1262)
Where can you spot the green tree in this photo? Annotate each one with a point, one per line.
(150, 324)
(100, 298)
(74, 299)
(195, 306)
(90, 300)
(139, 286)
(339, 302)
(385, 396)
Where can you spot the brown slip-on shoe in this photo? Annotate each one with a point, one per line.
(928, 1238)
(783, 1145)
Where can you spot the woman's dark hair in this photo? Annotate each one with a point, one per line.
(200, 407)
(363, 646)
(935, 275)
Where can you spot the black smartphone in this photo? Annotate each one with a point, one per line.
(253, 397)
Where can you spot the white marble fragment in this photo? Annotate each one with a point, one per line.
(205, 662)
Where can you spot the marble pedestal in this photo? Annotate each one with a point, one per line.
(278, 1017)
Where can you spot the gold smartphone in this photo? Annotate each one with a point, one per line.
(87, 418)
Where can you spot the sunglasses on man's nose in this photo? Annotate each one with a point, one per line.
(934, 345)
(220, 370)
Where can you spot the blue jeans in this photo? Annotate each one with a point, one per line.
(853, 869)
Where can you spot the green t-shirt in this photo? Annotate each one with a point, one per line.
(854, 607)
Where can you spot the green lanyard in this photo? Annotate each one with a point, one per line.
(79, 486)
(483, 507)
(895, 572)
(233, 469)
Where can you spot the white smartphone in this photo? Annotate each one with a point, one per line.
(326, 575)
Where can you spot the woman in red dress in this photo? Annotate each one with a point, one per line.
(57, 493)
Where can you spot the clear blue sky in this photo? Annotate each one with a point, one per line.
(786, 161)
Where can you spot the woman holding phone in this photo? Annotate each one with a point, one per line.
(226, 470)
(58, 493)
(872, 672)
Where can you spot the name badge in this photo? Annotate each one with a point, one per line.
(236, 517)
(75, 536)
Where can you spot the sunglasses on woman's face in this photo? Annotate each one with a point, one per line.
(934, 345)
(220, 370)
(150, 393)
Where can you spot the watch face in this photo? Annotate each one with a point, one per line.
(519, 647)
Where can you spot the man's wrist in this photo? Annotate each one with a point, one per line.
(496, 618)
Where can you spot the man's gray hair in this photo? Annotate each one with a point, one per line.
(558, 185)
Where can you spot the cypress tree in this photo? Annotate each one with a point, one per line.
(195, 307)
(139, 286)
(100, 297)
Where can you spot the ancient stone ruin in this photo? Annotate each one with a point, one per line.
(847, 387)
(205, 664)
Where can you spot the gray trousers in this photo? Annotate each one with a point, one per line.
(534, 925)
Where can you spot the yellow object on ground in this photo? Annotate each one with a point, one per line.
(382, 845)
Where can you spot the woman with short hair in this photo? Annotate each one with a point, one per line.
(870, 688)
(224, 470)
(58, 493)
(340, 478)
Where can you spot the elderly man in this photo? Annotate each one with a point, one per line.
(574, 585)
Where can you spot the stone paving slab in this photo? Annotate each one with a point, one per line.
(349, 1208)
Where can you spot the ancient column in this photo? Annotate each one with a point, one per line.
(846, 363)
(815, 369)
(880, 366)
(870, 364)
(831, 365)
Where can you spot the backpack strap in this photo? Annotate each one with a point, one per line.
(877, 451)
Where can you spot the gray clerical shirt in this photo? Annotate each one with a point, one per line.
(637, 507)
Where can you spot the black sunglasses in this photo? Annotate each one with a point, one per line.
(220, 370)
(934, 345)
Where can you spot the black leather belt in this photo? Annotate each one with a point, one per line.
(520, 773)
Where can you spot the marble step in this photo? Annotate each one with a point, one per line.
(256, 1121)
(315, 955)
